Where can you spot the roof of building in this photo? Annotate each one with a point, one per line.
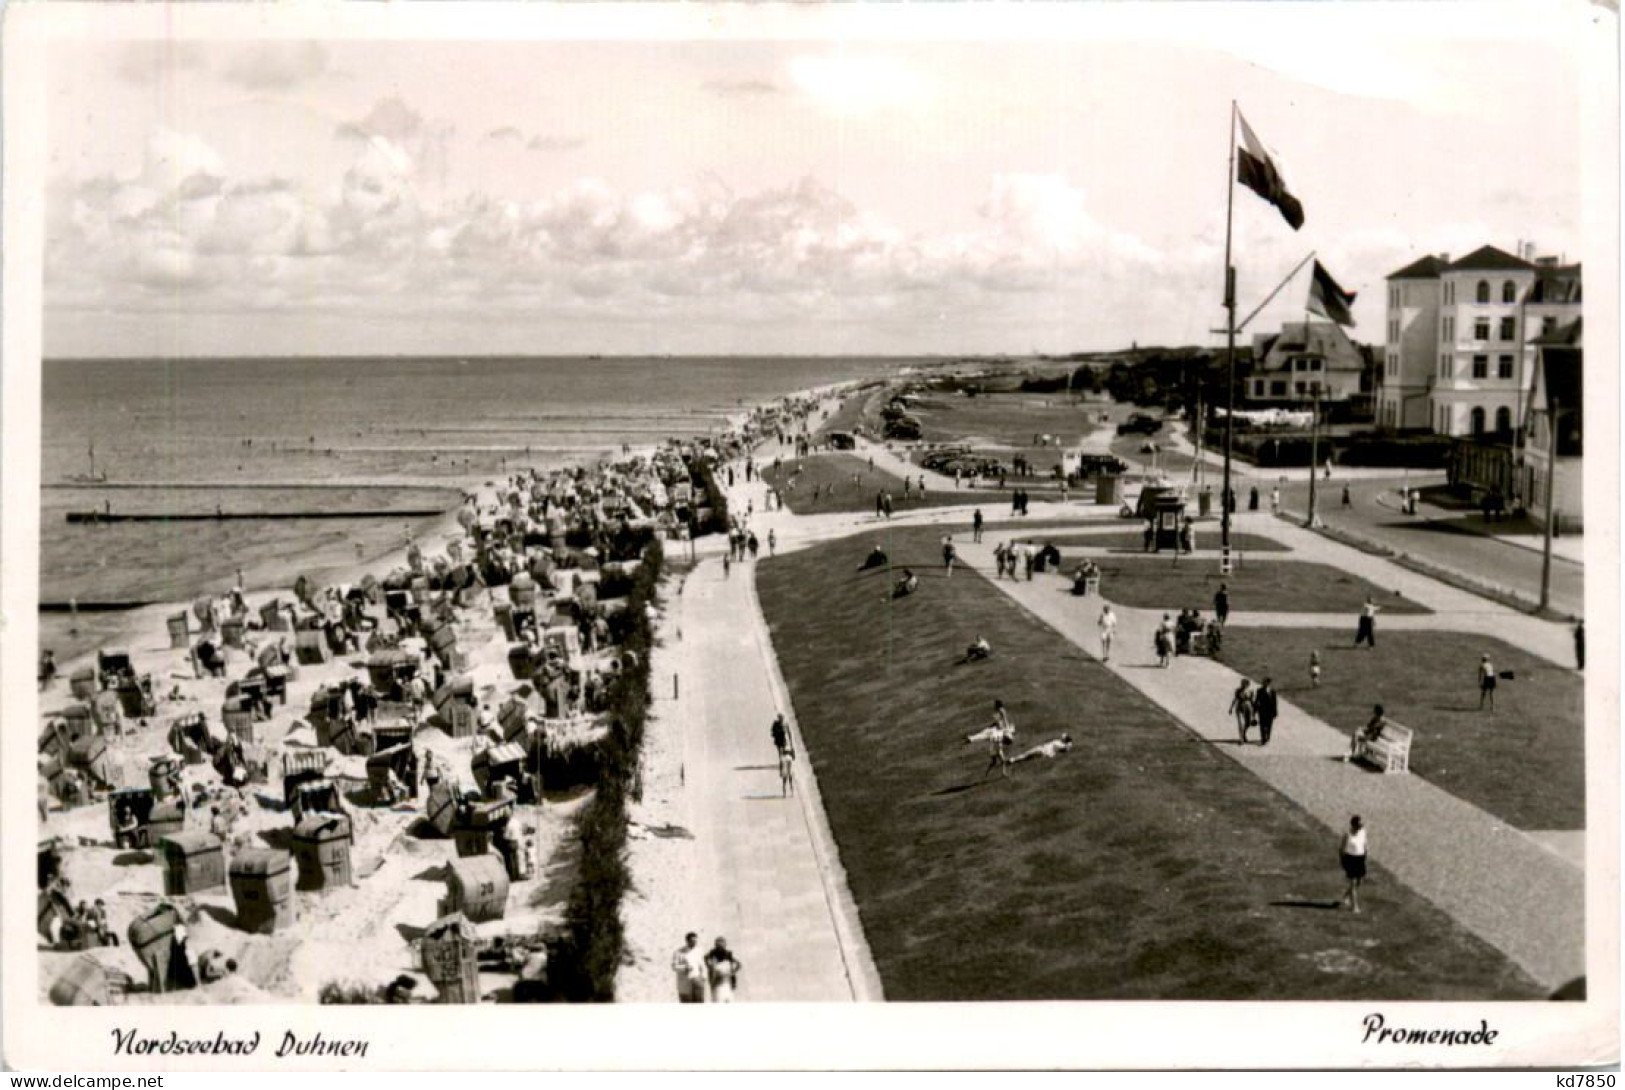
(1427, 268)
(1562, 376)
(1564, 336)
(1489, 259)
(1325, 339)
(1555, 284)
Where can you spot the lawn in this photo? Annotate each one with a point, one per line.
(1207, 538)
(1111, 873)
(1525, 763)
(837, 470)
(1285, 586)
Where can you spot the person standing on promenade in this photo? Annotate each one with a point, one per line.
(1241, 706)
(1580, 644)
(1486, 682)
(1162, 641)
(880, 504)
(976, 526)
(752, 544)
(772, 543)
(949, 554)
(1275, 500)
(1221, 603)
(782, 744)
(1266, 707)
(1366, 630)
(1352, 854)
(1348, 501)
(1108, 631)
(724, 970)
(727, 563)
(1252, 499)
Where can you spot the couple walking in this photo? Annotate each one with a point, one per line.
(705, 976)
(1260, 706)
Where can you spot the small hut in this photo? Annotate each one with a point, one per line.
(477, 887)
(450, 959)
(262, 889)
(193, 862)
(321, 846)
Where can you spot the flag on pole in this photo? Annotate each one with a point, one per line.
(1329, 300)
(1260, 172)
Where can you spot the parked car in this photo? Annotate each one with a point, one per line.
(1139, 424)
(841, 440)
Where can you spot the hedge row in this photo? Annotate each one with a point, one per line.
(704, 475)
(1265, 449)
(588, 959)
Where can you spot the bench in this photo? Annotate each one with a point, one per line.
(1390, 751)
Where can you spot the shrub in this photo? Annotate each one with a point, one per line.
(594, 945)
(704, 477)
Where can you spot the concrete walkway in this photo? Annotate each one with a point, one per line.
(1507, 887)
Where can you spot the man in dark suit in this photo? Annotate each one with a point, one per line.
(1265, 707)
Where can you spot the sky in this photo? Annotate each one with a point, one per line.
(811, 195)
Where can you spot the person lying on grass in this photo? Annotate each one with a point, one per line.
(875, 559)
(1052, 748)
(906, 585)
(977, 651)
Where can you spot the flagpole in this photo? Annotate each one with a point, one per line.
(1230, 348)
(1295, 270)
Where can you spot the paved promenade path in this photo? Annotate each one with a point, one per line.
(1509, 888)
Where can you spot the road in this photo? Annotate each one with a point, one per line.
(1440, 537)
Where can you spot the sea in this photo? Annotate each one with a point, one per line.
(391, 440)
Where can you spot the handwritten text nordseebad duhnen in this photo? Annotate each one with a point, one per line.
(1378, 1032)
(126, 1043)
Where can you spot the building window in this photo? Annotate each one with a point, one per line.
(1481, 367)
(1503, 367)
(1302, 388)
(1483, 291)
(1481, 329)
(1509, 328)
(1509, 292)
(1449, 330)
(1278, 388)
(1478, 420)
(1503, 419)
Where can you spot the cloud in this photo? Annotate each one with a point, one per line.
(555, 143)
(506, 132)
(145, 61)
(742, 88)
(187, 237)
(390, 118)
(275, 65)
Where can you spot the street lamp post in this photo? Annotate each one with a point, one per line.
(1551, 505)
(1314, 451)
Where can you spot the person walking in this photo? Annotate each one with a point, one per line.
(1366, 628)
(1275, 500)
(1252, 498)
(1348, 501)
(1314, 669)
(1221, 603)
(1486, 682)
(976, 526)
(949, 554)
(1108, 631)
(688, 965)
(1001, 736)
(723, 968)
(1266, 707)
(1580, 644)
(772, 543)
(1241, 706)
(1162, 641)
(1352, 854)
